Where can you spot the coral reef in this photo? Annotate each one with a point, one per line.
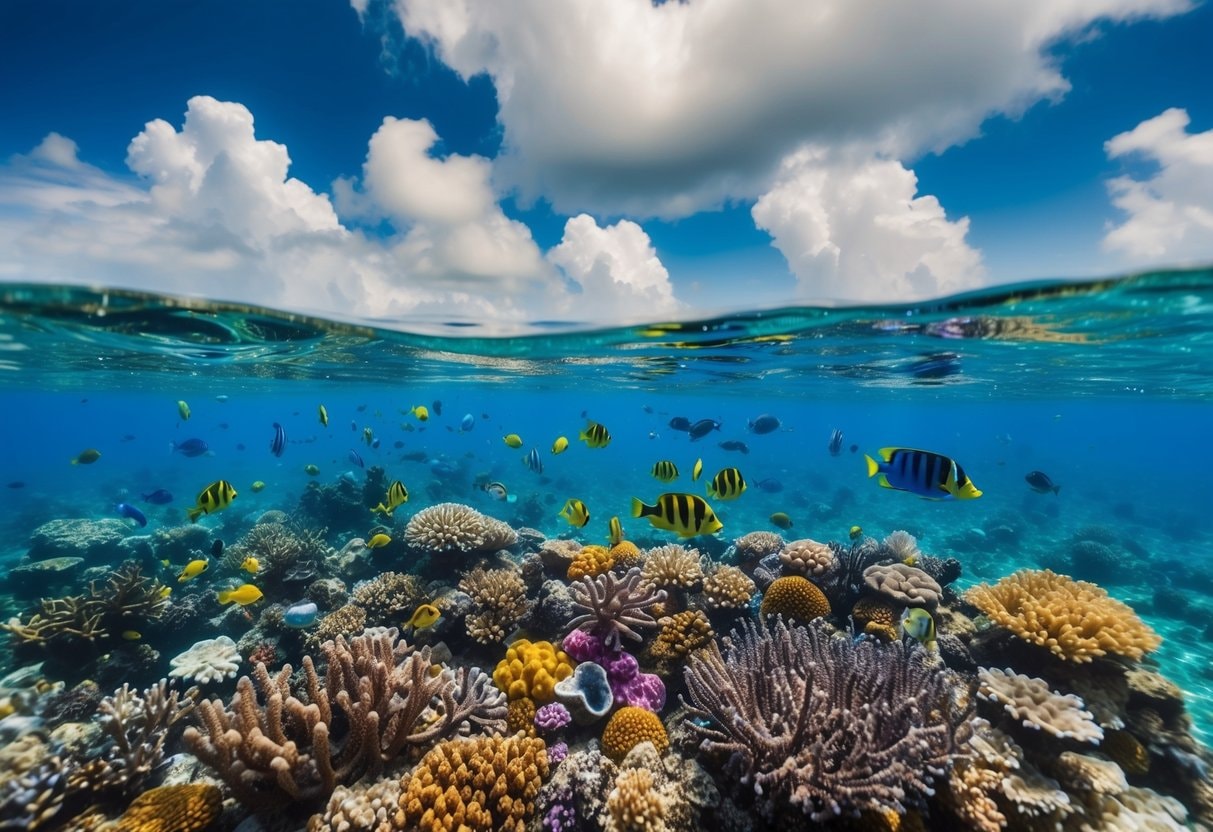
(367, 808)
(1031, 701)
(387, 596)
(728, 588)
(672, 566)
(757, 545)
(626, 554)
(552, 717)
(907, 586)
(615, 607)
(531, 670)
(520, 717)
(186, 808)
(209, 660)
(876, 617)
(591, 560)
(628, 727)
(97, 541)
(902, 546)
(587, 693)
(680, 634)
(807, 557)
(1075, 620)
(347, 621)
(499, 603)
(796, 598)
(453, 528)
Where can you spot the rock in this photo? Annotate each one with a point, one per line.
(42, 577)
(92, 540)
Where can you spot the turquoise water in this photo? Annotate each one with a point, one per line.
(1107, 387)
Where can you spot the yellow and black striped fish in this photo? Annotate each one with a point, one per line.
(218, 495)
(397, 495)
(727, 485)
(575, 512)
(616, 531)
(697, 471)
(924, 473)
(687, 514)
(665, 470)
(595, 435)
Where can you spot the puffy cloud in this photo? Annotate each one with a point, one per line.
(642, 108)
(857, 230)
(1170, 214)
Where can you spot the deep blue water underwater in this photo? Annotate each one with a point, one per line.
(1107, 388)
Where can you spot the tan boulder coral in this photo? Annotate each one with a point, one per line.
(757, 545)
(1088, 773)
(1030, 700)
(372, 807)
(807, 557)
(672, 566)
(728, 588)
(906, 585)
(499, 603)
(456, 528)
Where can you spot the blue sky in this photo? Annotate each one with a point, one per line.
(599, 161)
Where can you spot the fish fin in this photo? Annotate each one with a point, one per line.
(887, 453)
(884, 482)
(873, 466)
(638, 507)
(194, 513)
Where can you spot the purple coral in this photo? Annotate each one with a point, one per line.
(615, 607)
(557, 752)
(561, 816)
(552, 717)
(581, 646)
(628, 685)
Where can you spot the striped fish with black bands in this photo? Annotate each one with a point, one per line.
(665, 471)
(595, 435)
(727, 485)
(925, 473)
(278, 445)
(687, 514)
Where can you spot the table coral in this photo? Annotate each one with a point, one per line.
(1075, 620)
(795, 598)
(630, 726)
(531, 669)
(186, 808)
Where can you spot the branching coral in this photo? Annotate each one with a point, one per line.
(376, 702)
(387, 595)
(615, 607)
(1075, 620)
(680, 634)
(499, 603)
(672, 565)
(827, 725)
(808, 557)
(1032, 702)
(728, 588)
(456, 528)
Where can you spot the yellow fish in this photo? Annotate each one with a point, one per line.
(378, 541)
(243, 595)
(687, 514)
(665, 471)
(513, 440)
(192, 570)
(727, 485)
(560, 445)
(421, 412)
(396, 496)
(258, 486)
(595, 435)
(251, 565)
(856, 532)
(311, 470)
(87, 457)
(184, 410)
(166, 591)
(781, 520)
(164, 561)
(697, 471)
(324, 416)
(132, 635)
(575, 512)
(919, 624)
(424, 616)
(616, 531)
(368, 435)
(215, 497)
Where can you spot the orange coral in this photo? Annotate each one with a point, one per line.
(532, 669)
(794, 597)
(629, 727)
(591, 560)
(188, 808)
(520, 716)
(682, 633)
(625, 553)
(1075, 620)
(873, 610)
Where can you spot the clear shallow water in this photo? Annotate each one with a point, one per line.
(1107, 387)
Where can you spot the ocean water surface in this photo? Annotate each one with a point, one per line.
(1105, 387)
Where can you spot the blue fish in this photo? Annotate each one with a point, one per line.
(467, 423)
(533, 461)
(375, 444)
(159, 497)
(354, 458)
(925, 473)
(279, 444)
(131, 513)
(191, 447)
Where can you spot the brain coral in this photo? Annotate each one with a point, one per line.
(1075, 620)
(629, 727)
(187, 808)
(795, 597)
(454, 527)
(905, 585)
(531, 670)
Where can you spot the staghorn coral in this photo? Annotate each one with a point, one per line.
(728, 588)
(672, 566)
(808, 557)
(499, 603)
(449, 528)
(32, 799)
(209, 660)
(371, 807)
(680, 634)
(757, 545)
(345, 621)
(906, 585)
(796, 598)
(379, 700)
(1031, 701)
(531, 670)
(1075, 620)
(826, 725)
(482, 783)
(615, 607)
(630, 726)
(388, 595)
(191, 807)
(591, 560)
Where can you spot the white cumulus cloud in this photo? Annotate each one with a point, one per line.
(1169, 214)
(858, 230)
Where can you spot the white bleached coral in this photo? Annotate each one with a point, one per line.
(1030, 700)
(210, 660)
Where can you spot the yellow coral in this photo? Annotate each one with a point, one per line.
(795, 598)
(629, 727)
(482, 783)
(625, 553)
(872, 610)
(634, 805)
(591, 560)
(681, 633)
(188, 808)
(532, 669)
(520, 716)
(1075, 620)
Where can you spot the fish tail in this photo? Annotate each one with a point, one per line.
(639, 509)
(873, 466)
(225, 596)
(194, 513)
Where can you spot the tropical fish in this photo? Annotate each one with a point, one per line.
(159, 497)
(354, 458)
(378, 541)
(222, 397)
(687, 514)
(616, 531)
(426, 615)
(665, 471)
(728, 484)
(191, 448)
(595, 435)
(324, 416)
(184, 410)
(919, 625)
(436, 406)
(396, 496)
(131, 635)
(680, 423)
(467, 423)
(421, 412)
(702, 428)
(257, 485)
(496, 490)
(766, 423)
(770, 485)
(835, 445)
(734, 445)
(697, 471)
(217, 548)
(512, 440)
(87, 457)
(1040, 482)
(298, 616)
(532, 461)
(131, 513)
(215, 497)
(560, 445)
(243, 595)
(166, 591)
(368, 435)
(251, 565)
(575, 512)
(278, 443)
(924, 473)
(311, 470)
(855, 532)
(192, 570)
(781, 520)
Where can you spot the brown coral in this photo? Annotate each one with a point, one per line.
(347, 621)
(634, 805)
(388, 595)
(499, 603)
(672, 565)
(1126, 751)
(728, 588)
(187, 808)
(483, 783)
(807, 557)
(680, 634)
(629, 727)
(456, 528)
(370, 807)
(906, 585)
(591, 560)
(1075, 620)
(796, 598)
(520, 717)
